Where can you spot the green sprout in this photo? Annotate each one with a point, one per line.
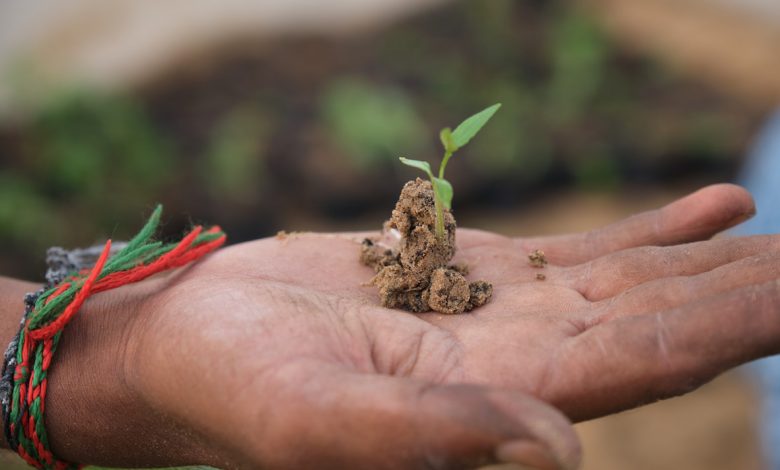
(452, 141)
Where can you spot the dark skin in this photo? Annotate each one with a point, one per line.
(275, 354)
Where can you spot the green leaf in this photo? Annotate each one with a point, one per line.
(443, 190)
(469, 128)
(446, 139)
(420, 165)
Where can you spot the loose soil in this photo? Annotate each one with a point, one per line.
(411, 263)
(537, 259)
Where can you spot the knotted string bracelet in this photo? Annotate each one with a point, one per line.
(70, 281)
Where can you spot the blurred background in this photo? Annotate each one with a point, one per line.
(265, 116)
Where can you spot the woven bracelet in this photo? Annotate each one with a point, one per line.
(71, 278)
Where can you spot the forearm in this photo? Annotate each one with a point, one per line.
(12, 305)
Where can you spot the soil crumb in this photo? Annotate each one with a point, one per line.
(283, 235)
(462, 268)
(411, 263)
(537, 258)
(540, 277)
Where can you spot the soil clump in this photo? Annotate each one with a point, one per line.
(411, 263)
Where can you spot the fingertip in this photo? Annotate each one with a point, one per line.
(733, 201)
(528, 454)
(559, 439)
(549, 432)
(705, 213)
(534, 455)
(512, 426)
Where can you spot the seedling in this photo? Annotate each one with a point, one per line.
(452, 141)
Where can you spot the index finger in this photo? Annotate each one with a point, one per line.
(695, 217)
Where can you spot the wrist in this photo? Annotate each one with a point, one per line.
(95, 413)
(98, 417)
(12, 293)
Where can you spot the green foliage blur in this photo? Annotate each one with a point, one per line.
(310, 128)
(372, 123)
(99, 156)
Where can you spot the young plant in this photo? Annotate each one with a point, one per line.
(452, 141)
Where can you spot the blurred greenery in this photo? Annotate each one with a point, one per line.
(306, 127)
(372, 123)
(578, 53)
(90, 143)
(233, 164)
(89, 161)
(25, 215)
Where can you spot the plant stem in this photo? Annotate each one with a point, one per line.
(439, 208)
(439, 216)
(447, 155)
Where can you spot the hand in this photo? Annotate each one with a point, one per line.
(275, 354)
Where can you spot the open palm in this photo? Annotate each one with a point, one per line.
(296, 352)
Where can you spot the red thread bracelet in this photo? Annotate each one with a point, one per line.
(54, 308)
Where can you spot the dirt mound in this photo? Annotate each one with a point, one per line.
(412, 263)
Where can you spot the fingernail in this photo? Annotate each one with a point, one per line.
(529, 454)
(744, 217)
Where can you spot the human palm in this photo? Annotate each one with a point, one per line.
(299, 366)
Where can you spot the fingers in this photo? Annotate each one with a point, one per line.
(671, 292)
(631, 361)
(616, 272)
(697, 216)
(384, 422)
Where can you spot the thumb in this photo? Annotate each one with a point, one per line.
(383, 422)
